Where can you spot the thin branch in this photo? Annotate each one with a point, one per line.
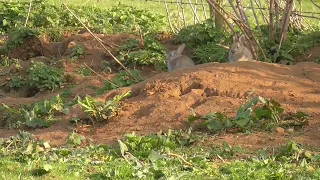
(103, 78)
(243, 14)
(204, 9)
(260, 8)
(168, 15)
(104, 47)
(179, 156)
(276, 9)
(271, 24)
(183, 15)
(212, 4)
(286, 19)
(234, 9)
(318, 6)
(29, 10)
(255, 15)
(194, 11)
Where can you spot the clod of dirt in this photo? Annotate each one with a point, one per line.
(280, 130)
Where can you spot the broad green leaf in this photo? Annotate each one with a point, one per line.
(215, 125)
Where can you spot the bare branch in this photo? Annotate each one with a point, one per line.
(104, 47)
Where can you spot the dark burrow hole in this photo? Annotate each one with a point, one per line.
(31, 91)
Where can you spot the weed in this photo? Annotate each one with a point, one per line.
(225, 151)
(257, 113)
(44, 77)
(16, 83)
(40, 114)
(77, 52)
(17, 37)
(132, 53)
(7, 62)
(98, 111)
(156, 156)
(74, 139)
(122, 79)
(120, 18)
(84, 71)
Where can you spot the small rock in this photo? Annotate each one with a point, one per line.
(280, 130)
(290, 130)
(197, 91)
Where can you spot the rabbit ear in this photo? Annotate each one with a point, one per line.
(181, 48)
(242, 39)
(234, 38)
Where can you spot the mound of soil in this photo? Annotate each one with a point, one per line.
(163, 101)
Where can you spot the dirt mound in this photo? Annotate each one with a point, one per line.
(163, 101)
(30, 48)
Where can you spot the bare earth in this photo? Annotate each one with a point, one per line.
(163, 101)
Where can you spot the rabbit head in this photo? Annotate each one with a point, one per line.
(175, 60)
(175, 53)
(238, 44)
(239, 51)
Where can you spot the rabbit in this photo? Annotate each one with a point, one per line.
(239, 51)
(175, 60)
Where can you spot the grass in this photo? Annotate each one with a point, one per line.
(159, 7)
(160, 157)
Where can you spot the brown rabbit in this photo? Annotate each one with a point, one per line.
(239, 51)
(175, 60)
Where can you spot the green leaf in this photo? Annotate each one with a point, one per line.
(242, 122)
(215, 125)
(47, 167)
(154, 156)
(37, 122)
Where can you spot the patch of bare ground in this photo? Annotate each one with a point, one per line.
(163, 101)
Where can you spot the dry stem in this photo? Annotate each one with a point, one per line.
(104, 47)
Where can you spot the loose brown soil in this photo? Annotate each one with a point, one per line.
(163, 100)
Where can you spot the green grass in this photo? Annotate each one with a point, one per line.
(170, 156)
(159, 8)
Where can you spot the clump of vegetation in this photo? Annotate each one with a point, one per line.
(17, 37)
(17, 82)
(84, 71)
(296, 44)
(40, 114)
(45, 77)
(77, 52)
(74, 140)
(170, 155)
(134, 53)
(258, 113)
(120, 18)
(122, 79)
(99, 111)
(7, 62)
(206, 41)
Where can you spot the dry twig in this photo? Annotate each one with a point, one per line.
(104, 47)
(177, 155)
(29, 10)
(100, 75)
